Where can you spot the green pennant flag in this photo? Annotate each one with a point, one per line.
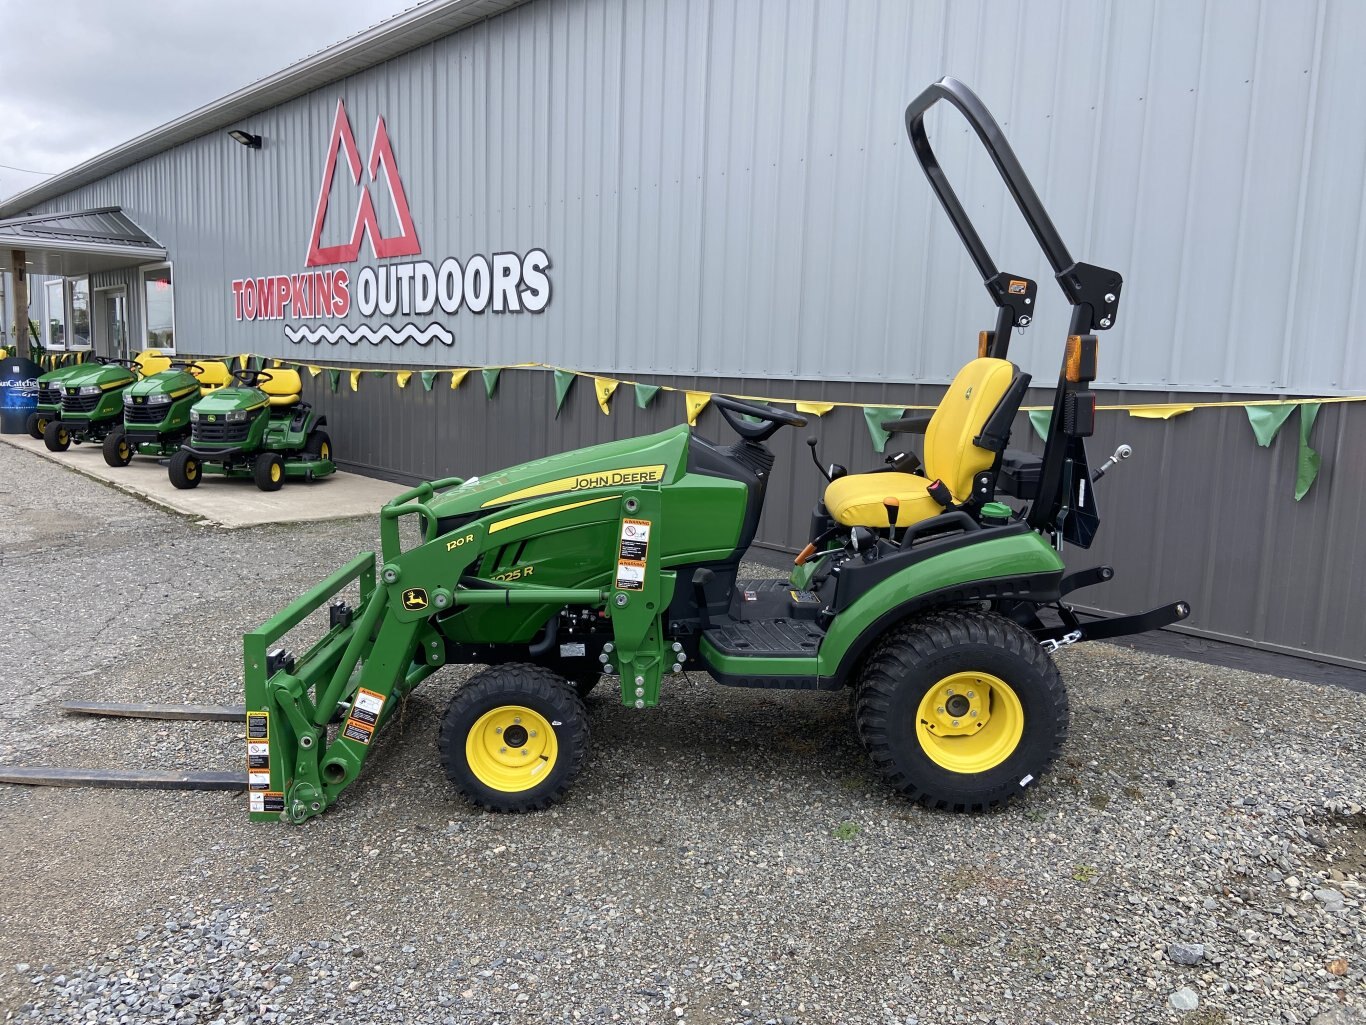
(491, 379)
(428, 378)
(1267, 420)
(645, 394)
(564, 380)
(258, 363)
(334, 379)
(874, 415)
(1041, 420)
(1308, 461)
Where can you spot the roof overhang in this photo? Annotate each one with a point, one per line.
(79, 243)
(404, 32)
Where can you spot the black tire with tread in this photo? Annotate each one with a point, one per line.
(314, 444)
(917, 655)
(56, 437)
(260, 471)
(117, 451)
(36, 424)
(185, 471)
(523, 684)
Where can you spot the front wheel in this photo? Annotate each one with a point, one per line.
(184, 470)
(36, 424)
(117, 451)
(514, 738)
(56, 437)
(961, 710)
(268, 471)
(318, 446)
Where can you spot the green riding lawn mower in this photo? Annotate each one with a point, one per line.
(156, 410)
(49, 406)
(934, 586)
(258, 427)
(90, 397)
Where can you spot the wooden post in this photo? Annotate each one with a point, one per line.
(21, 340)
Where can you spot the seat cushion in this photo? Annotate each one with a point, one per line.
(152, 362)
(283, 386)
(858, 499)
(211, 373)
(950, 455)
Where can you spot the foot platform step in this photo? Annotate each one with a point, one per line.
(767, 638)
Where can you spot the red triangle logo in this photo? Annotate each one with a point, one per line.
(343, 143)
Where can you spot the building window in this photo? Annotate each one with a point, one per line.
(80, 313)
(158, 308)
(54, 314)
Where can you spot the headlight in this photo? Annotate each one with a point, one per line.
(127, 398)
(194, 416)
(89, 389)
(236, 416)
(158, 400)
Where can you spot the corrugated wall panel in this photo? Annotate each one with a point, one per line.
(725, 187)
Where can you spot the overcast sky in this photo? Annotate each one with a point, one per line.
(77, 77)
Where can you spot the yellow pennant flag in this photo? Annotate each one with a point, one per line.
(1159, 412)
(243, 359)
(314, 371)
(457, 376)
(355, 380)
(604, 386)
(403, 378)
(697, 401)
(278, 362)
(815, 408)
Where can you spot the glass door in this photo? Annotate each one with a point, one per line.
(113, 341)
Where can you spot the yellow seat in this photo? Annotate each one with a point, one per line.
(283, 386)
(859, 499)
(212, 374)
(151, 361)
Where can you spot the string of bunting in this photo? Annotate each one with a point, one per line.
(1265, 416)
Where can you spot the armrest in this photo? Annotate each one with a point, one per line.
(915, 424)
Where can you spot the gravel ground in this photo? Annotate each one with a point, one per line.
(727, 857)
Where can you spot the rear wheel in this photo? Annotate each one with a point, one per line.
(56, 437)
(514, 738)
(961, 710)
(318, 446)
(36, 424)
(117, 451)
(268, 471)
(184, 470)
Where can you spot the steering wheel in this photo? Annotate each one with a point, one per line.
(771, 417)
(249, 378)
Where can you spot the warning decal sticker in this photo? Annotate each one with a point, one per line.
(270, 800)
(635, 546)
(258, 779)
(365, 709)
(258, 755)
(358, 732)
(258, 725)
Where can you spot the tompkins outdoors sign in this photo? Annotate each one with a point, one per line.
(506, 282)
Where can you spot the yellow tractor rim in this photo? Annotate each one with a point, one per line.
(969, 722)
(511, 748)
(191, 469)
(123, 450)
(63, 437)
(275, 472)
(325, 451)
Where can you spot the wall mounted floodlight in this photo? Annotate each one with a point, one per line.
(245, 138)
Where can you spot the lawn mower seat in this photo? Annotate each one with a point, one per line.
(861, 499)
(212, 374)
(151, 361)
(283, 386)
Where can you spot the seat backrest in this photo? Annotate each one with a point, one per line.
(281, 382)
(950, 454)
(212, 373)
(151, 361)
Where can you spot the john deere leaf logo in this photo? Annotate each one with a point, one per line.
(212, 419)
(415, 598)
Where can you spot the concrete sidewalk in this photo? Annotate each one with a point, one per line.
(221, 501)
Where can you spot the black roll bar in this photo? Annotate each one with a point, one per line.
(1082, 284)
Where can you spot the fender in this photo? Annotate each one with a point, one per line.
(1019, 565)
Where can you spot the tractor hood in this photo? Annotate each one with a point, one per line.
(175, 383)
(660, 458)
(226, 400)
(99, 375)
(61, 373)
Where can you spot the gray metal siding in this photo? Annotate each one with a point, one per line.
(726, 188)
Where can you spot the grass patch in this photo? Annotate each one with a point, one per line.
(1084, 873)
(846, 831)
(1099, 800)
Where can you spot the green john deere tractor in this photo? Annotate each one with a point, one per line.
(92, 403)
(49, 406)
(156, 410)
(935, 591)
(257, 427)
